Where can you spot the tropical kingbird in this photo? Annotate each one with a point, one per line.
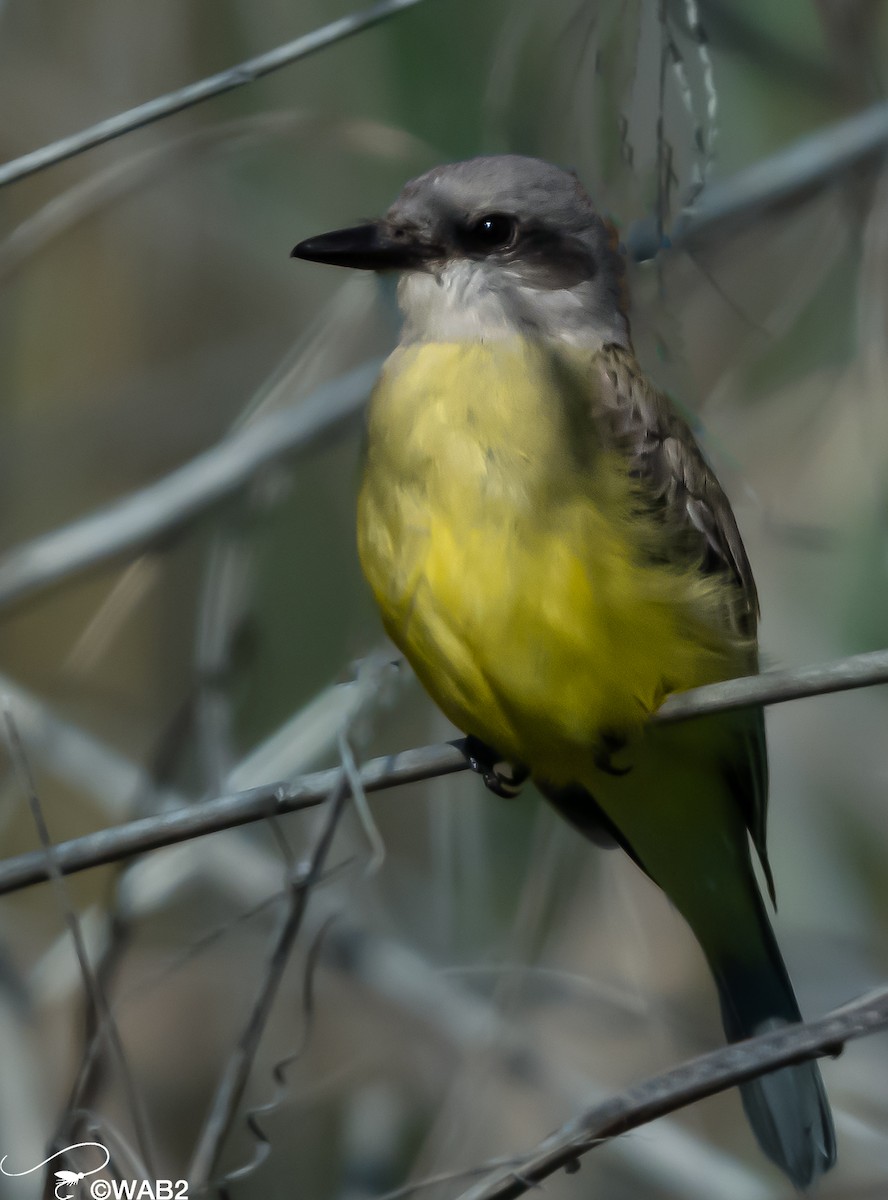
(554, 556)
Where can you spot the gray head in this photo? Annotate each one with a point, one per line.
(490, 247)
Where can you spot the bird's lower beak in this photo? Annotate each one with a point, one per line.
(369, 247)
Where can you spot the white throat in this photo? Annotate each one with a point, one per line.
(466, 301)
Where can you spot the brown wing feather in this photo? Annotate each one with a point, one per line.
(673, 473)
(667, 461)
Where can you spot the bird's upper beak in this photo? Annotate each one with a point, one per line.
(371, 247)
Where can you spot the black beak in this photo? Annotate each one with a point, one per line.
(366, 247)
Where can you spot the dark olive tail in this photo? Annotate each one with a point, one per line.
(787, 1109)
(693, 834)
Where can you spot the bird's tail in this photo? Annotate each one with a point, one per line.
(787, 1109)
(684, 813)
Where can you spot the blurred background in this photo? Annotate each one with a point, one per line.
(467, 973)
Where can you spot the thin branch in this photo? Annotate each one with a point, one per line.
(262, 1145)
(698, 33)
(104, 1023)
(776, 687)
(92, 1073)
(809, 162)
(302, 879)
(142, 516)
(802, 166)
(685, 1084)
(204, 89)
(410, 766)
(225, 812)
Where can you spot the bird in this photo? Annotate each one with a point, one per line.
(554, 556)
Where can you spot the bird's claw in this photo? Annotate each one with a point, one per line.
(609, 745)
(500, 777)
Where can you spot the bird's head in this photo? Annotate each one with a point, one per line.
(490, 247)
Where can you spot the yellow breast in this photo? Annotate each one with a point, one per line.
(505, 548)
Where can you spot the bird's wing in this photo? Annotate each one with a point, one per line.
(665, 458)
(673, 474)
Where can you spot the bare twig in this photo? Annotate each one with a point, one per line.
(313, 730)
(686, 93)
(225, 812)
(106, 1027)
(776, 687)
(301, 879)
(92, 1072)
(172, 501)
(231, 1087)
(807, 163)
(214, 85)
(410, 766)
(691, 1081)
(790, 173)
(253, 1121)
(710, 91)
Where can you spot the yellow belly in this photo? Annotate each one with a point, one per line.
(510, 563)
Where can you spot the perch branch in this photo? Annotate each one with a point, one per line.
(409, 766)
(683, 1085)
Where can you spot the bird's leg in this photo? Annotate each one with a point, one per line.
(503, 778)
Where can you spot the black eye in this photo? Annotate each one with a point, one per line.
(493, 231)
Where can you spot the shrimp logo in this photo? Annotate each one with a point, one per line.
(64, 1179)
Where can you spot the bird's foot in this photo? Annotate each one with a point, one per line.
(502, 778)
(610, 744)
